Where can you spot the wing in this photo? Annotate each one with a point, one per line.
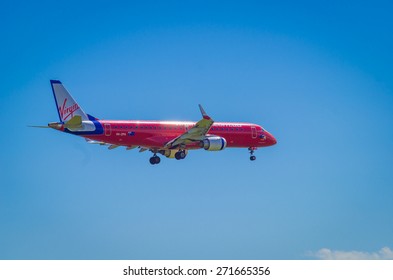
(196, 133)
(110, 146)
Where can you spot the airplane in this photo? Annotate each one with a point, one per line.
(172, 139)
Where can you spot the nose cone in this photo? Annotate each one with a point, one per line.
(270, 140)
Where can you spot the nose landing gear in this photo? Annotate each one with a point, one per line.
(252, 157)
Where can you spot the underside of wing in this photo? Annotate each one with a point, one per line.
(110, 146)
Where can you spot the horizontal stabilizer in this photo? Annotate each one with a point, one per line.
(39, 126)
(74, 122)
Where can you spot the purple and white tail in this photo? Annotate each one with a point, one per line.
(67, 107)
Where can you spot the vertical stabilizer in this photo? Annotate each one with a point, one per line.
(66, 105)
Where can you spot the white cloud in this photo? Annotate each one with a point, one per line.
(326, 254)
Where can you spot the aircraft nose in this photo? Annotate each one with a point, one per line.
(271, 140)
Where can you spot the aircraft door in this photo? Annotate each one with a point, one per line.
(108, 129)
(253, 132)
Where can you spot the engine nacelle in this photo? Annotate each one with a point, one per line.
(214, 143)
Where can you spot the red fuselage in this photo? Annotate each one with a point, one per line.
(156, 134)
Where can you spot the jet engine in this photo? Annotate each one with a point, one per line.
(214, 143)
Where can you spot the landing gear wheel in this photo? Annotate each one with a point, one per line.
(155, 160)
(180, 155)
(252, 157)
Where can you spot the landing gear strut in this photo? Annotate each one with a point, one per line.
(181, 154)
(155, 159)
(252, 157)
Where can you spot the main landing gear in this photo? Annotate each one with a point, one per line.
(155, 159)
(181, 154)
(252, 157)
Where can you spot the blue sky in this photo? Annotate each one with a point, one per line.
(318, 76)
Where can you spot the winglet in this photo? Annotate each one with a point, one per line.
(204, 115)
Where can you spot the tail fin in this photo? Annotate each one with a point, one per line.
(67, 107)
